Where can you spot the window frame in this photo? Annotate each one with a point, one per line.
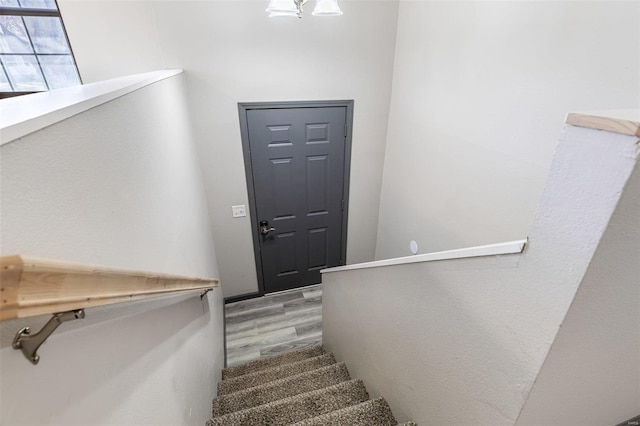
(38, 12)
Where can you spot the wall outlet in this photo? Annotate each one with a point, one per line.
(239, 211)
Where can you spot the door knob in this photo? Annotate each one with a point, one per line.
(264, 227)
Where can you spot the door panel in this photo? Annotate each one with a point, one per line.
(318, 248)
(298, 162)
(317, 185)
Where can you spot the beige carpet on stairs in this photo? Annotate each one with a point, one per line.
(303, 388)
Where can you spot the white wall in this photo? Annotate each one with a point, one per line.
(112, 38)
(479, 92)
(592, 373)
(118, 185)
(232, 52)
(462, 341)
(478, 89)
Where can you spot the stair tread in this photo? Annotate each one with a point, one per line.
(280, 389)
(261, 364)
(375, 412)
(260, 377)
(299, 407)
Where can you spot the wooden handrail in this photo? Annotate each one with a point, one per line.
(626, 122)
(31, 286)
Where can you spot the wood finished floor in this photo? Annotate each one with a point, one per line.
(272, 324)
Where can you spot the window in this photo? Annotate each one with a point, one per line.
(34, 50)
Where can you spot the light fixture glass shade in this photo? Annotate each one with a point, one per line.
(276, 14)
(283, 7)
(327, 8)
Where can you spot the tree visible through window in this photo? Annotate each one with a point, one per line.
(34, 51)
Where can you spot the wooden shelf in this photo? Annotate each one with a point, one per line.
(31, 286)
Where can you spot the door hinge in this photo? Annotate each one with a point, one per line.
(345, 130)
(342, 204)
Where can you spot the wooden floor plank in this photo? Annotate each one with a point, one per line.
(257, 314)
(273, 324)
(263, 339)
(294, 320)
(261, 302)
(290, 346)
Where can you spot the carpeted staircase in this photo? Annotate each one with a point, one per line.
(302, 388)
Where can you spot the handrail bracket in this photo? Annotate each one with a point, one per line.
(29, 343)
(204, 293)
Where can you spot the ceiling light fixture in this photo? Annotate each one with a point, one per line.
(294, 8)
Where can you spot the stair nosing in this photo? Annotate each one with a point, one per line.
(284, 381)
(267, 370)
(345, 410)
(248, 365)
(284, 401)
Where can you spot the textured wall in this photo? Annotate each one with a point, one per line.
(479, 92)
(118, 185)
(462, 341)
(592, 374)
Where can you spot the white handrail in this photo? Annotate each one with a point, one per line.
(511, 247)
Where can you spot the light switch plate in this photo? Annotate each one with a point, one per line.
(239, 211)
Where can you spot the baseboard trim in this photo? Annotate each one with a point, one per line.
(242, 297)
(224, 337)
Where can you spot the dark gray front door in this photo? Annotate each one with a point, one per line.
(297, 159)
